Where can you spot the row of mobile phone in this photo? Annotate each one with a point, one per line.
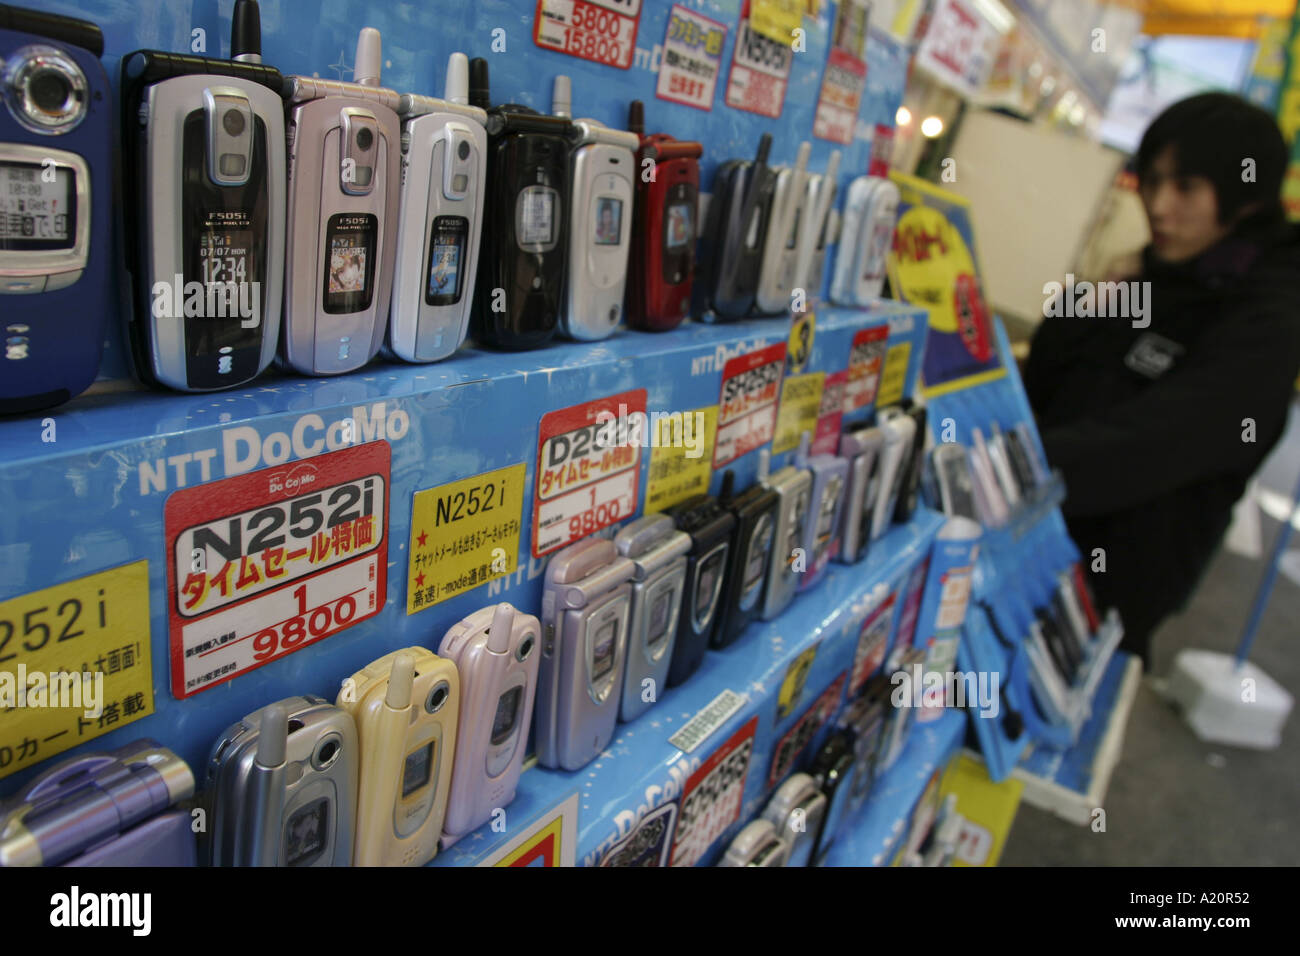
(313, 222)
(807, 812)
(989, 480)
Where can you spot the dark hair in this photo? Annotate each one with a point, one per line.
(1212, 133)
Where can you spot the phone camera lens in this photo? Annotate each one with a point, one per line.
(365, 139)
(326, 753)
(45, 90)
(463, 150)
(233, 122)
(525, 648)
(49, 90)
(437, 697)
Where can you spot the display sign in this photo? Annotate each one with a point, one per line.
(463, 534)
(650, 841)
(873, 640)
(893, 380)
(751, 386)
(603, 31)
(550, 841)
(75, 663)
(681, 464)
(801, 402)
(826, 437)
(776, 19)
(795, 740)
(692, 59)
(714, 714)
(712, 796)
(845, 76)
(588, 469)
(959, 46)
(866, 363)
(760, 71)
(264, 564)
(792, 684)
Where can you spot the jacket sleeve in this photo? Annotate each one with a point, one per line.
(1194, 422)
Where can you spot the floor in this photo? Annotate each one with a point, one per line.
(1174, 800)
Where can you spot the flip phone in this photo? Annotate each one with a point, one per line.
(787, 216)
(861, 449)
(833, 768)
(989, 496)
(205, 204)
(751, 556)
(662, 259)
(344, 174)
(103, 809)
(796, 810)
(758, 844)
(900, 432)
(405, 705)
(793, 486)
(866, 718)
(601, 174)
(870, 211)
(56, 183)
(439, 219)
(1021, 464)
(821, 533)
(710, 527)
(819, 195)
(495, 651)
(524, 257)
(1002, 470)
(585, 608)
(953, 476)
(731, 250)
(657, 551)
(898, 719)
(913, 463)
(283, 787)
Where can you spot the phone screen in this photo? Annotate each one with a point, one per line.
(609, 220)
(657, 625)
(37, 213)
(446, 260)
(830, 498)
(759, 545)
(349, 261)
(503, 724)
(680, 226)
(705, 582)
(794, 229)
(535, 218)
(419, 765)
(602, 655)
(305, 834)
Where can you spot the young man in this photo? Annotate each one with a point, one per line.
(1158, 421)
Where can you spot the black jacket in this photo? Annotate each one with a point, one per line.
(1151, 426)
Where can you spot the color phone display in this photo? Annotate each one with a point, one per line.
(609, 220)
(503, 724)
(706, 584)
(535, 220)
(350, 266)
(417, 769)
(680, 229)
(304, 835)
(603, 651)
(446, 260)
(36, 214)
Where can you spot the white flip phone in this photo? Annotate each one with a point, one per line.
(495, 649)
(439, 219)
(344, 173)
(861, 448)
(757, 845)
(601, 190)
(870, 213)
(796, 810)
(788, 216)
(812, 241)
(794, 485)
(900, 432)
(405, 706)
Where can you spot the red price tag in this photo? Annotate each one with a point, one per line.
(827, 439)
(760, 71)
(751, 388)
(712, 796)
(872, 641)
(603, 31)
(263, 564)
(866, 360)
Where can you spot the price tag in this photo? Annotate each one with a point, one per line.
(894, 377)
(872, 644)
(603, 31)
(826, 439)
(74, 664)
(796, 676)
(760, 72)
(792, 744)
(264, 564)
(692, 59)
(801, 400)
(681, 464)
(866, 361)
(747, 408)
(463, 534)
(841, 95)
(777, 19)
(588, 469)
(712, 796)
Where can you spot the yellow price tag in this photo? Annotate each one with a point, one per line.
(463, 534)
(681, 457)
(75, 663)
(796, 676)
(801, 399)
(776, 19)
(894, 376)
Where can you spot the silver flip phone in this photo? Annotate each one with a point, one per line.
(777, 275)
(819, 193)
(283, 787)
(956, 485)
(658, 553)
(861, 448)
(343, 185)
(821, 532)
(794, 485)
(796, 810)
(440, 219)
(495, 650)
(205, 187)
(585, 609)
(899, 431)
(870, 212)
(601, 190)
(757, 845)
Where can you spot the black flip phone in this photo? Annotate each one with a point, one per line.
(1058, 647)
(710, 526)
(751, 551)
(914, 465)
(833, 767)
(524, 251)
(731, 253)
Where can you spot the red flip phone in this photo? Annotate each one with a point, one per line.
(664, 229)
